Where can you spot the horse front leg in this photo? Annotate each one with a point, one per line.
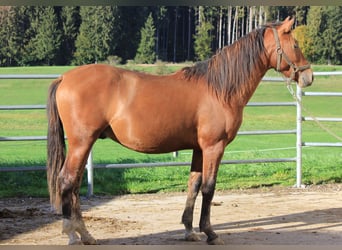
(211, 160)
(194, 184)
(70, 180)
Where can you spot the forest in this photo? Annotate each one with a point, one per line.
(71, 35)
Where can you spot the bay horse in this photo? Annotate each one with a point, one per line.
(198, 107)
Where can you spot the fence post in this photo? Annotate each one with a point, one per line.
(299, 138)
(90, 174)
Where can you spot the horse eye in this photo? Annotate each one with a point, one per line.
(296, 46)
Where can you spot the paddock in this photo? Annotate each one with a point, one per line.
(267, 216)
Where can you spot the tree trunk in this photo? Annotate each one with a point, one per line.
(175, 36)
(243, 22)
(229, 25)
(260, 15)
(220, 29)
(250, 19)
(189, 34)
(235, 25)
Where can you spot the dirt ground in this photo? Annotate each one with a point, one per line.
(267, 216)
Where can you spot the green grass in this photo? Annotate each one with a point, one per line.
(320, 165)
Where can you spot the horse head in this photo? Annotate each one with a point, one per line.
(285, 55)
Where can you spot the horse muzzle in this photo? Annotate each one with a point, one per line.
(305, 78)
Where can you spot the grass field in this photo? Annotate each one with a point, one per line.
(320, 165)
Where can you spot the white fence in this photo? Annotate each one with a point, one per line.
(297, 131)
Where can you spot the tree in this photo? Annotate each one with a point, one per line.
(96, 39)
(332, 34)
(35, 35)
(71, 23)
(314, 41)
(304, 41)
(31, 22)
(146, 50)
(14, 34)
(202, 37)
(301, 14)
(160, 13)
(48, 39)
(324, 31)
(7, 48)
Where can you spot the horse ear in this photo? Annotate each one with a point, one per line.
(287, 24)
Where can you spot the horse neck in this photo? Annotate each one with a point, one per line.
(247, 90)
(235, 72)
(255, 81)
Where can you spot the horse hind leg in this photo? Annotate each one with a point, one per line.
(194, 184)
(69, 180)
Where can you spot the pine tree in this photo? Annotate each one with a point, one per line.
(96, 39)
(160, 13)
(314, 41)
(6, 34)
(146, 50)
(48, 39)
(202, 37)
(71, 22)
(32, 13)
(14, 34)
(332, 34)
(337, 34)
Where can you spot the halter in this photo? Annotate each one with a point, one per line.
(281, 54)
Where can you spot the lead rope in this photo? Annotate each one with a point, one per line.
(323, 127)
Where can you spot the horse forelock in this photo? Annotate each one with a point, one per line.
(232, 70)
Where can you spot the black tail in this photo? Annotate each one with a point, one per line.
(55, 146)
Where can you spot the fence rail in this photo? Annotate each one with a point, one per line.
(22, 107)
(297, 132)
(322, 119)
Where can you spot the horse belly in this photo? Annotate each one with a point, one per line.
(147, 135)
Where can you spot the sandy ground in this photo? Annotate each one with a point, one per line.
(275, 216)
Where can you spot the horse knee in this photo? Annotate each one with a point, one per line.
(208, 187)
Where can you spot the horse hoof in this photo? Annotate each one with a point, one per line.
(192, 237)
(89, 241)
(75, 242)
(94, 242)
(216, 241)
